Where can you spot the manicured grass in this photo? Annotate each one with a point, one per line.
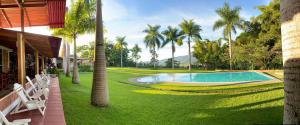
(171, 104)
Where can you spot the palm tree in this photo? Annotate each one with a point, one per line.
(291, 58)
(229, 20)
(78, 21)
(99, 95)
(173, 36)
(135, 53)
(153, 40)
(191, 31)
(66, 45)
(121, 43)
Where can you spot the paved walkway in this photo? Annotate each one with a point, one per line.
(54, 114)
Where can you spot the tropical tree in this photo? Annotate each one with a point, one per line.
(120, 45)
(172, 36)
(99, 95)
(208, 53)
(79, 20)
(229, 21)
(66, 49)
(191, 31)
(135, 53)
(153, 40)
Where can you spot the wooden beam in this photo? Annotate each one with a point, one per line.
(37, 65)
(26, 13)
(18, 3)
(22, 19)
(21, 58)
(25, 5)
(5, 17)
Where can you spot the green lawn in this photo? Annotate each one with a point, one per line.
(170, 104)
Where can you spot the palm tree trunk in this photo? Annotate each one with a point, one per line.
(64, 56)
(68, 60)
(173, 55)
(121, 57)
(290, 18)
(75, 78)
(136, 64)
(154, 64)
(230, 50)
(190, 58)
(99, 95)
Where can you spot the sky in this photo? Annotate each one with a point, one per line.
(130, 17)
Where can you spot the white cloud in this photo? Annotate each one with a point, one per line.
(113, 10)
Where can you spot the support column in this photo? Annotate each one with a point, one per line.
(37, 65)
(21, 58)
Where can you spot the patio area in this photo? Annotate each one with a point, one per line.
(54, 114)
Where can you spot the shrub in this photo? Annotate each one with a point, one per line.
(85, 68)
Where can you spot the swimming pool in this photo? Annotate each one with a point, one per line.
(218, 77)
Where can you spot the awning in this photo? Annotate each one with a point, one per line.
(36, 13)
(46, 45)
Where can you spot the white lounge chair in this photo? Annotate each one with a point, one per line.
(38, 90)
(45, 76)
(15, 122)
(44, 83)
(27, 102)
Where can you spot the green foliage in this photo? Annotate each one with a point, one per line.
(153, 40)
(135, 53)
(85, 68)
(229, 20)
(260, 44)
(87, 51)
(208, 53)
(53, 70)
(113, 53)
(170, 61)
(79, 20)
(173, 36)
(190, 29)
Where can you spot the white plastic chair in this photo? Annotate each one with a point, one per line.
(15, 122)
(27, 102)
(38, 90)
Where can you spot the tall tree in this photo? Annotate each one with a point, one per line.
(191, 31)
(99, 95)
(121, 43)
(172, 36)
(229, 21)
(153, 40)
(290, 47)
(135, 54)
(79, 20)
(66, 45)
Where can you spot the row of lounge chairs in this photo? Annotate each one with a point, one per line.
(34, 100)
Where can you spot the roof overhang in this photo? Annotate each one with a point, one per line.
(36, 13)
(46, 45)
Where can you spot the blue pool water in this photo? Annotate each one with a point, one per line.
(219, 77)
